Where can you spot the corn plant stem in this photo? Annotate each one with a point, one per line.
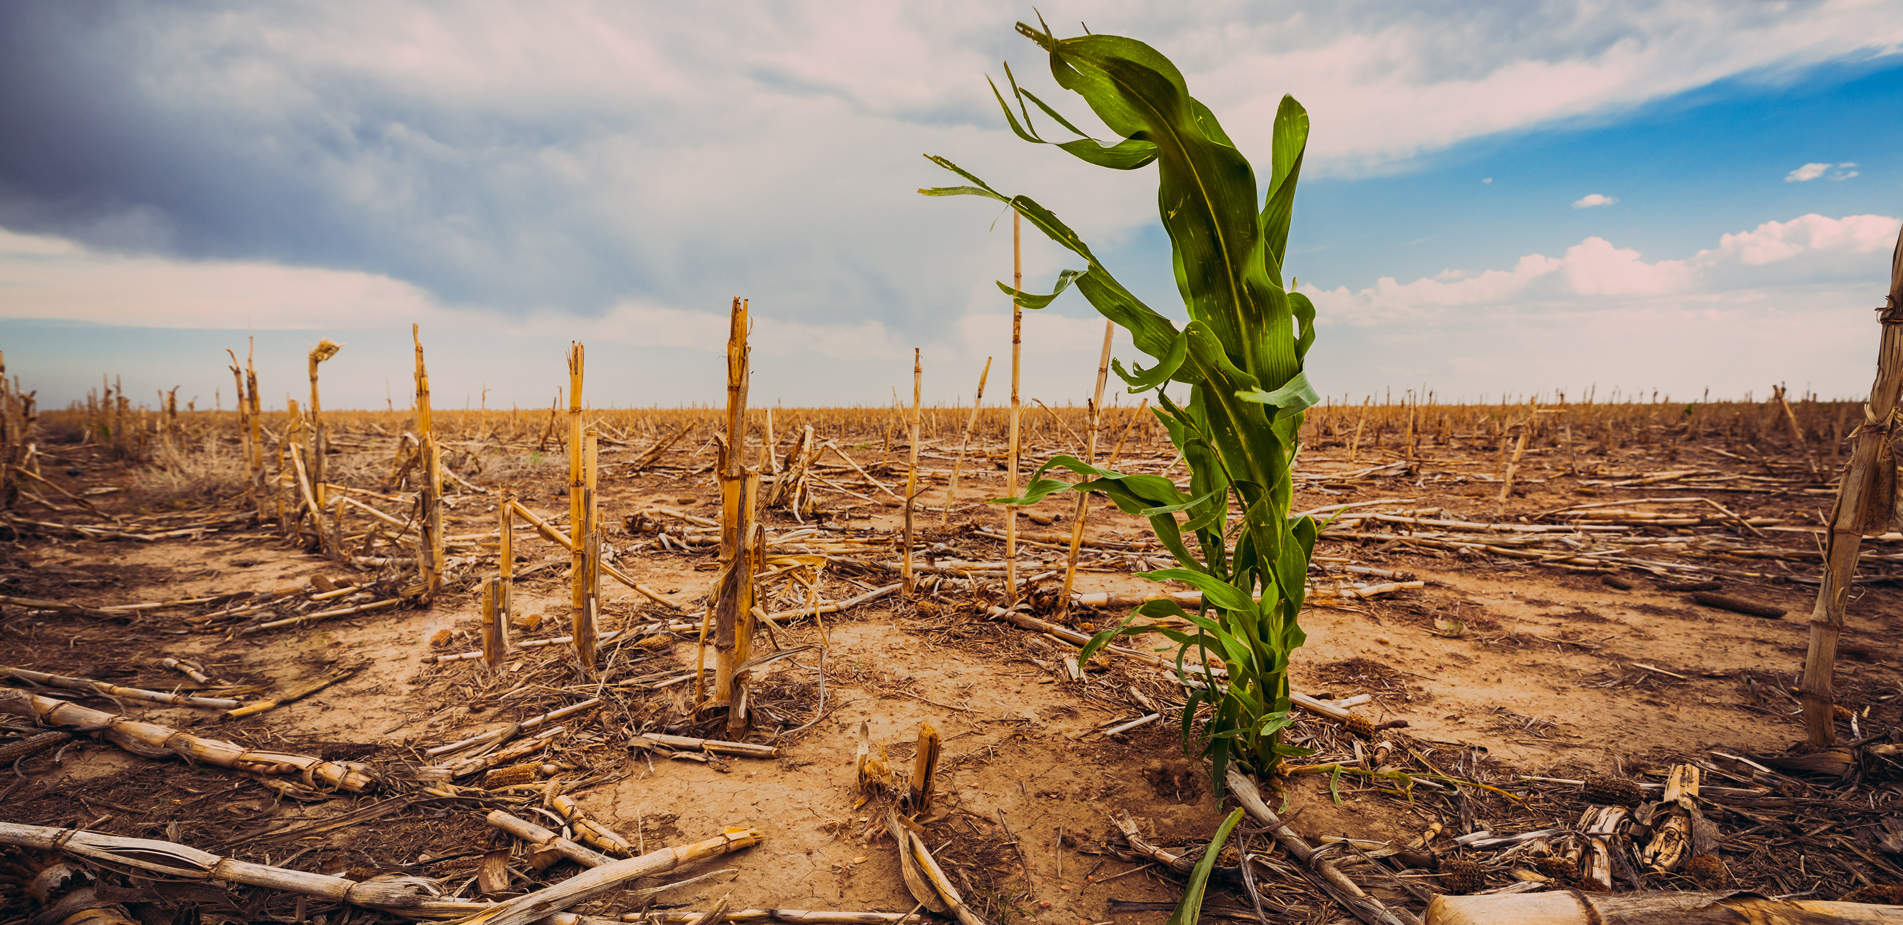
(492, 650)
(731, 609)
(373, 512)
(1025, 621)
(1090, 456)
(769, 447)
(1354, 445)
(578, 509)
(754, 553)
(244, 421)
(977, 401)
(924, 769)
(430, 553)
(336, 489)
(585, 629)
(303, 483)
(282, 481)
(1858, 510)
(1513, 467)
(1116, 453)
(911, 470)
(255, 423)
(1017, 351)
(1797, 433)
(317, 355)
(495, 636)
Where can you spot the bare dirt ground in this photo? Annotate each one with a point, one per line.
(1541, 660)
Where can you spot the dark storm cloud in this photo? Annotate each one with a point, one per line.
(106, 145)
(190, 131)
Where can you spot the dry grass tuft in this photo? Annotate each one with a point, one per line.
(178, 476)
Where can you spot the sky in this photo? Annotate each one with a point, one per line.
(1678, 198)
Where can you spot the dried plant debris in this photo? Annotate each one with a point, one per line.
(213, 589)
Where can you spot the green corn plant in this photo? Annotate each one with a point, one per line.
(1240, 358)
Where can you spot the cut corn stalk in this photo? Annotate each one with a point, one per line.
(733, 599)
(429, 553)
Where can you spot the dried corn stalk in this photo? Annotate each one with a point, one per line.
(733, 600)
(63, 890)
(580, 523)
(591, 883)
(924, 769)
(113, 690)
(429, 553)
(964, 442)
(791, 489)
(911, 472)
(588, 829)
(873, 772)
(1867, 499)
(154, 741)
(330, 536)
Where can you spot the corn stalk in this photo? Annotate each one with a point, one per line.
(1239, 356)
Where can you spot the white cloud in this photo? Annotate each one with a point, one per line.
(14, 246)
(1813, 171)
(1594, 199)
(1392, 81)
(1595, 269)
(1807, 234)
(1622, 349)
(1783, 301)
(1806, 172)
(49, 277)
